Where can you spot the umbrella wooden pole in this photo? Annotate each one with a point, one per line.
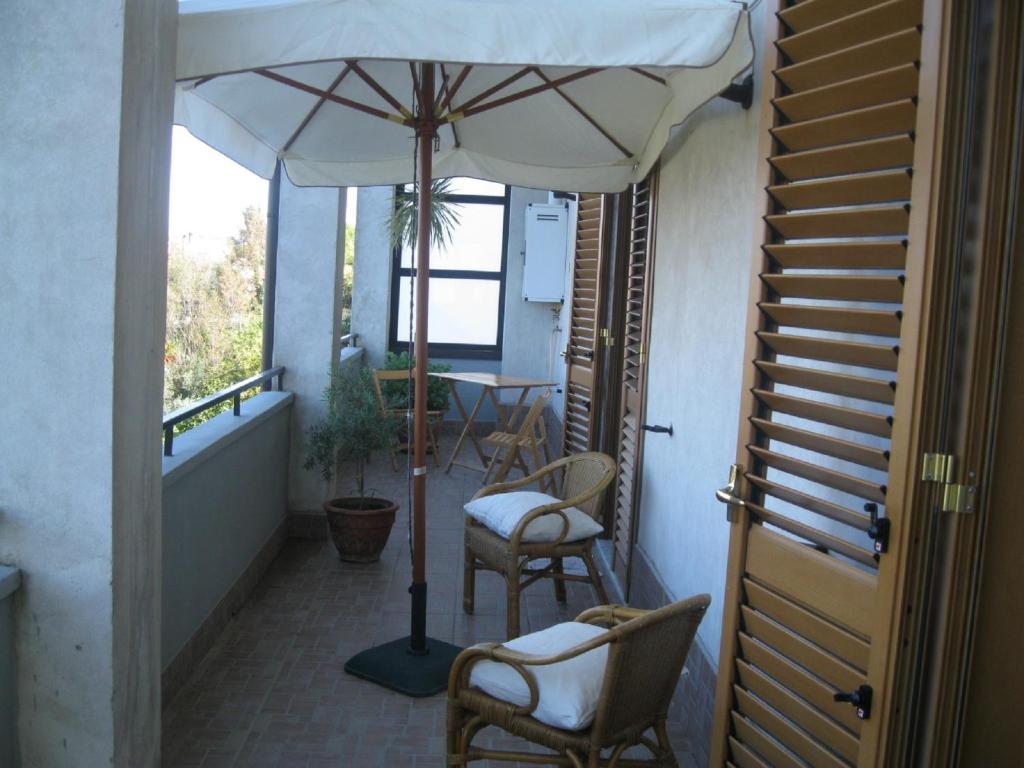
(426, 130)
(416, 665)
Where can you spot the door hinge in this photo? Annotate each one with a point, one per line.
(937, 468)
(940, 468)
(643, 354)
(958, 498)
(606, 336)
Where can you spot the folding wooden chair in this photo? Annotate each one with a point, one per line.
(509, 447)
(433, 417)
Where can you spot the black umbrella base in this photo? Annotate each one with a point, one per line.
(393, 666)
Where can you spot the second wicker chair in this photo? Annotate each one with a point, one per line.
(580, 481)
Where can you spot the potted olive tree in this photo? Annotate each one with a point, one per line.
(351, 430)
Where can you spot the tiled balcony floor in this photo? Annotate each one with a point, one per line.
(273, 691)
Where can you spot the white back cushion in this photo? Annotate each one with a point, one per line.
(501, 512)
(569, 690)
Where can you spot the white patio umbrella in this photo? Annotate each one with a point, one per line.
(573, 95)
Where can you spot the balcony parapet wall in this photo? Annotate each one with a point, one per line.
(225, 499)
(10, 581)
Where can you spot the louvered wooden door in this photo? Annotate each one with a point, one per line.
(827, 413)
(584, 350)
(639, 266)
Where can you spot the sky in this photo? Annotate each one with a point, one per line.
(208, 194)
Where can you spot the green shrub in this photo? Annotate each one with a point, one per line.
(396, 393)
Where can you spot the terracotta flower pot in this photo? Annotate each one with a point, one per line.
(360, 526)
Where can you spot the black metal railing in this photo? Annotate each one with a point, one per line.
(233, 393)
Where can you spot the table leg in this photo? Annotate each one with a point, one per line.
(501, 423)
(518, 406)
(467, 430)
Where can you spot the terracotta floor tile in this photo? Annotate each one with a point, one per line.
(273, 691)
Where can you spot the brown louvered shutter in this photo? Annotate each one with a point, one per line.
(639, 265)
(827, 411)
(583, 352)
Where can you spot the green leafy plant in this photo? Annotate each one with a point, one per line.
(351, 430)
(396, 393)
(444, 215)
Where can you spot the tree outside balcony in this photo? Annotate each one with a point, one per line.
(214, 318)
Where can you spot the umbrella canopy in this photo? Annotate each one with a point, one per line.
(577, 94)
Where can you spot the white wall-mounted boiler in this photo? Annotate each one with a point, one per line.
(547, 233)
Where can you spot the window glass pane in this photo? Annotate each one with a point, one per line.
(475, 242)
(461, 311)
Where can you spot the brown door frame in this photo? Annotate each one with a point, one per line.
(959, 700)
(613, 319)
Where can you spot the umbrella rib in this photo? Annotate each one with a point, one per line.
(444, 90)
(494, 89)
(298, 85)
(584, 114)
(455, 86)
(315, 109)
(415, 79)
(465, 111)
(647, 74)
(380, 89)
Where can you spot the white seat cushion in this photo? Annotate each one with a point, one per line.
(501, 512)
(569, 691)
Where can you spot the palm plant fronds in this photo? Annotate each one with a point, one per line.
(444, 215)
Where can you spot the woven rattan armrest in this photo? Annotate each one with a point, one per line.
(610, 615)
(511, 485)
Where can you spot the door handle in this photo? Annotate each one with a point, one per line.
(727, 495)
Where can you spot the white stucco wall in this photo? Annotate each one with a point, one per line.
(86, 120)
(706, 226)
(371, 275)
(307, 328)
(532, 329)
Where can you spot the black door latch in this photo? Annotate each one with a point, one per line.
(878, 530)
(860, 698)
(658, 429)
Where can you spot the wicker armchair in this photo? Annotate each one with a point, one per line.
(580, 481)
(646, 653)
